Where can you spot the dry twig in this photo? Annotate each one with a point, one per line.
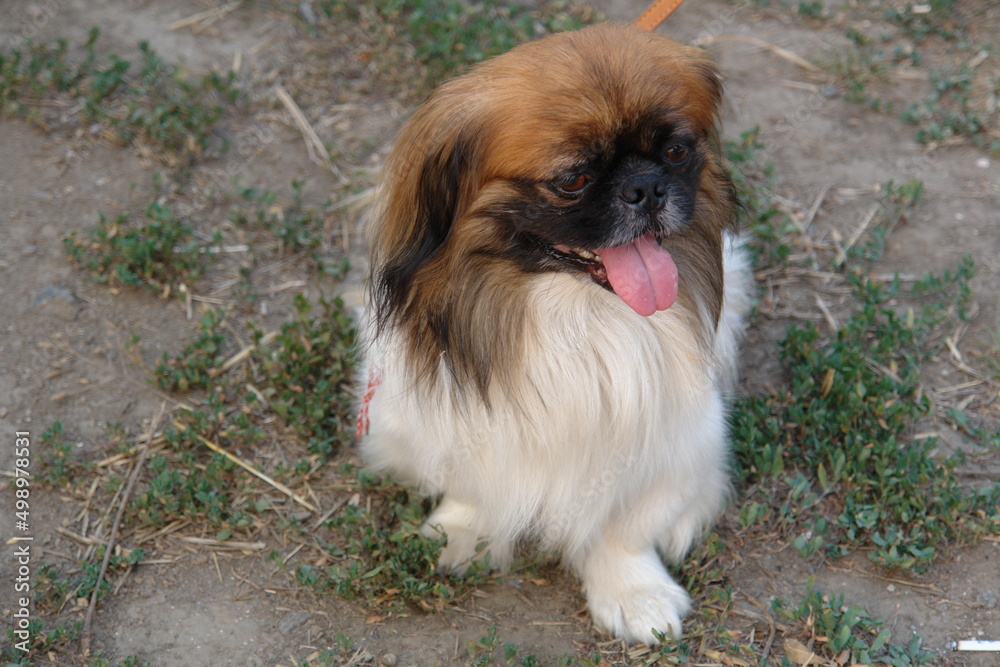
(767, 46)
(228, 545)
(314, 145)
(205, 18)
(865, 223)
(244, 354)
(133, 478)
(831, 321)
(253, 471)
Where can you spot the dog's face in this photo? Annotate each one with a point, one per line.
(610, 180)
(586, 152)
(600, 141)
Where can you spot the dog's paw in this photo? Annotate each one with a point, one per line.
(466, 541)
(634, 615)
(631, 596)
(459, 550)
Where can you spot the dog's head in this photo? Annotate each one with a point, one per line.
(589, 152)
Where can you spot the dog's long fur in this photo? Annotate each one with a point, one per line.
(534, 401)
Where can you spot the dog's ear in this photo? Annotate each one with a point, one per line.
(426, 188)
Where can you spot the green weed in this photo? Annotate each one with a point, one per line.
(38, 70)
(155, 104)
(307, 376)
(839, 430)
(166, 109)
(939, 35)
(950, 111)
(296, 228)
(160, 249)
(156, 250)
(769, 229)
(827, 456)
(53, 588)
(921, 19)
(812, 9)
(485, 650)
(333, 658)
(40, 641)
(59, 639)
(445, 37)
(198, 362)
(896, 201)
(214, 492)
(58, 465)
(301, 373)
(848, 635)
(193, 482)
(384, 561)
(859, 66)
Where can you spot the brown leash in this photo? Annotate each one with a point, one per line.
(656, 14)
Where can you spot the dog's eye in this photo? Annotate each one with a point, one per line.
(573, 183)
(677, 154)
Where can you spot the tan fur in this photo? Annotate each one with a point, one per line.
(514, 117)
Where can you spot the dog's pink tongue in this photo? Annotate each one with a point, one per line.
(642, 274)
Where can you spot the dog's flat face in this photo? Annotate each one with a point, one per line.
(592, 142)
(626, 182)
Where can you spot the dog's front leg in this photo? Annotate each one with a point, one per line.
(468, 537)
(630, 593)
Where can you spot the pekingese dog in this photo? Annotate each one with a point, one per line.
(555, 305)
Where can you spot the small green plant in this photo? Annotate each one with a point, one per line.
(40, 641)
(487, 650)
(36, 70)
(214, 492)
(446, 36)
(198, 362)
(895, 203)
(828, 456)
(770, 229)
(950, 111)
(303, 371)
(922, 19)
(481, 651)
(58, 465)
(156, 104)
(848, 634)
(296, 228)
(859, 66)
(812, 10)
(156, 250)
(308, 373)
(166, 109)
(385, 561)
(54, 588)
(840, 429)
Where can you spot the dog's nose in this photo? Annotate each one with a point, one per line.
(645, 192)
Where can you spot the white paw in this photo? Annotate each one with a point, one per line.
(632, 598)
(466, 539)
(460, 548)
